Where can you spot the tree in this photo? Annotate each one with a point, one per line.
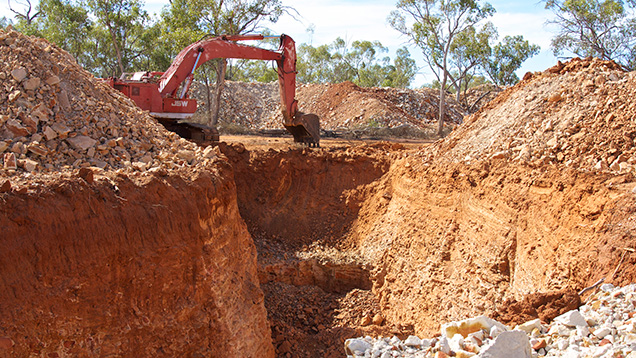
(598, 28)
(358, 63)
(470, 49)
(27, 14)
(403, 70)
(192, 19)
(314, 64)
(68, 25)
(433, 26)
(506, 57)
(124, 23)
(4, 22)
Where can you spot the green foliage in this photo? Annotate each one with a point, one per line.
(4, 22)
(122, 27)
(604, 29)
(358, 63)
(438, 27)
(506, 57)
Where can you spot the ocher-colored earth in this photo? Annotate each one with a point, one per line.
(262, 248)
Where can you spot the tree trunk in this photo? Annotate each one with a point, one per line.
(208, 95)
(442, 106)
(117, 49)
(220, 81)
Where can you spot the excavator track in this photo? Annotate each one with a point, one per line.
(197, 133)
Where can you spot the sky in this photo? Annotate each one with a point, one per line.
(367, 20)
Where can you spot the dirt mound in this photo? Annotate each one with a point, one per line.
(578, 114)
(477, 97)
(55, 115)
(545, 306)
(339, 106)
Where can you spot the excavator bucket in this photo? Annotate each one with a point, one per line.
(306, 129)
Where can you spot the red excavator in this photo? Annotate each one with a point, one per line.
(165, 94)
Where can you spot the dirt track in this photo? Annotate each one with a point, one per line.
(267, 248)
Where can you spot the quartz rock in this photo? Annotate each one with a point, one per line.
(572, 319)
(508, 344)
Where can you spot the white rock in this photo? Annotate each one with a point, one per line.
(508, 344)
(529, 326)
(470, 325)
(444, 346)
(356, 346)
(413, 341)
(602, 332)
(456, 343)
(607, 287)
(571, 319)
(562, 344)
(496, 331)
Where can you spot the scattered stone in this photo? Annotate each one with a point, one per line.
(571, 319)
(16, 128)
(37, 149)
(356, 346)
(81, 142)
(5, 187)
(508, 344)
(610, 313)
(378, 319)
(32, 84)
(30, 165)
(10, 161)
(53, 80)
(87, 175)
(19, 74)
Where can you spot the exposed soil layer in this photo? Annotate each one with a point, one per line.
(130, 265)
(545, 306)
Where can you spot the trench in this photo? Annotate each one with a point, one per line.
(342, 242)
(300, 207)
(344, 237)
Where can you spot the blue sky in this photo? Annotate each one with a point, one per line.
(366, 20)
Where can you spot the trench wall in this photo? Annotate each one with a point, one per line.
(138, 267)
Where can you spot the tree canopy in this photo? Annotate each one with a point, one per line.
(604, 29)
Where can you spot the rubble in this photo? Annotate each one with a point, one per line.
(577, 114)
(604, 326)
(56, 116)
(339, 106)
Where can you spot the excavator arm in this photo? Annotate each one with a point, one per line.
(176, 81)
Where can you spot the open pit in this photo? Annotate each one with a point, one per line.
(120, 239)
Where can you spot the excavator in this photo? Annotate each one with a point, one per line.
(165, 94)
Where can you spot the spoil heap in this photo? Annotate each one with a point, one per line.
(578, 114)
(55, 115)
(339, 106)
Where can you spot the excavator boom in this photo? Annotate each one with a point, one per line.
(167, 97)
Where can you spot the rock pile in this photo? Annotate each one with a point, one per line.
(579, 114)
(339, 106)
(603, 327)
(54, 115)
